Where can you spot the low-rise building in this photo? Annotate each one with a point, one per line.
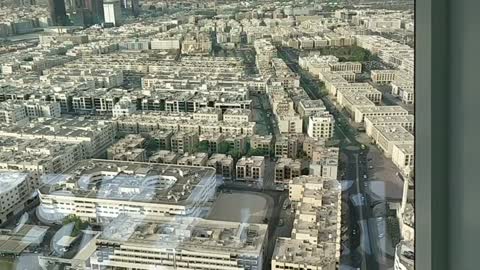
(197, 159)
(288, 146)
(250, 169)
(223, 164)
(184, 142)
(264, 143)
(403, 155)
(162, 139)
(187, 242)
(93, 136)
(406, 121)
(287, 169)
(388, 136)
(361, 112)
(321, 125)
(100, 190)
(15, 190)
(384, 76)
(315, 237)
(129, 148)
(12, 113)
(164, 156)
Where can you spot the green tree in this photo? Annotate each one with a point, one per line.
(234, 153)
(202, 146)
(78, 224)
(223, 147)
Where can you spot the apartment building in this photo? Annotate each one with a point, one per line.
(100, 190)
(355, 67)
(384, 76)
(315, 238)
(250, 169)
(312, 145)
(130, 148)
(164, 156)
(321, 125)
(197, 160)
(184, 142)
(264, 143)
(290, 123)
(15, 190)
(237, 142)
(403, 155)
(388, 136)
(187, 243)
(237, 115)
(361, 112)
(325, 162)
(307, 107)
(223, 164)
(208, 114)
(288, 146)
(12, 113)
(406, 121)
(93, 136)
(287, 169)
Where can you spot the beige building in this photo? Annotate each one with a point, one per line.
(288, 146)
(15, 189)
(290, 123)
(287, 169)
(180, 243)
(164, 156)
(208, 114)
(315, 237)
(223, 164)
(197, 159)
(250, 169)
(100, 190)
(361, 112)
(237, 115)
(321, 126)
(93, 136)
(162, 138)
(184, 142)
(403, 156)
(12, 113)
(406, 121)
(383, 76)
(129, 148)
(264, 143)
(388, 136)
(355, 67)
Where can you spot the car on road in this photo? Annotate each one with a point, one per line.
(379, 218)
(370, 167)
(364, 176)
(365, 184)
(281, 222)
(381, 235)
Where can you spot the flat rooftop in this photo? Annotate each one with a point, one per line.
(383, 109)
(395, 133)
(379, 119)
(296, 251)
(131, 181)
(187, 233)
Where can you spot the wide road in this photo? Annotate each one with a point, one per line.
(364, 254)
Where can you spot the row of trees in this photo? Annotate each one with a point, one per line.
(226, 148)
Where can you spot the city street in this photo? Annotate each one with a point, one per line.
(363, 249)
